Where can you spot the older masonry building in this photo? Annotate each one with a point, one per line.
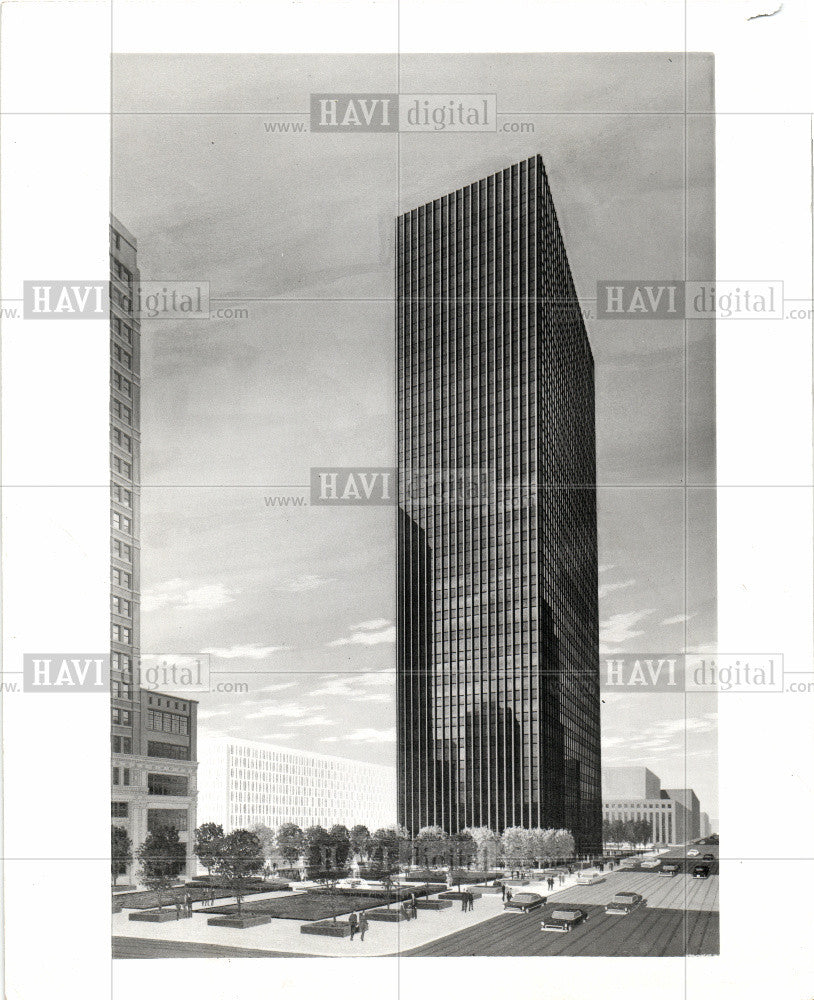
(153, 735)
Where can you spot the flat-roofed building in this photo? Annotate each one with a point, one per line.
(243, 783)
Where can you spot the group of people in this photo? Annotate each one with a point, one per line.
(183, 905)
(358, 922)
(209, 896)
(467, 901)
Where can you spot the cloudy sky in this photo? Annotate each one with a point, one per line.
(298, 602)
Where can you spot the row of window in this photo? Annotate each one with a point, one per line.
(121, 633)
(121, 776)
(121, 606)
(121, 578)
(122, 411)
(167, 722)
(120, 354)
(121, 549)
(121, 661)
(120, 522)
(121, 439)
(121, 329)
(122, 717)
(121, 744)
(120, 690)
(121, 383)
(123, 468)
(122, 496)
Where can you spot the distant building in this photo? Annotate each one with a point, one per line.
(243, 783)
(631, 793)
(688, 798)
(630, 782)
(152, 734)
(706, 826)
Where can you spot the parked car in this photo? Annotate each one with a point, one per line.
(700, 871)
(563, 919)
(670, 870)
(524, 901)
(708, 857)
(624, 903)
(628, 863)
(651, 863)
(693, 853)
(589, 878)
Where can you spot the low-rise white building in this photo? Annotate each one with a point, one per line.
(241, 783)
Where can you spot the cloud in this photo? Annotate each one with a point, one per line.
(282, 710)
(317, 720)
(271, 688)
(606, 567)
(304, 582)
(620, 628)
(361, 687)
(364, 736)
(677, 619)
(182, 596)
(251, 651)
(608, 588)
(371, 633)
(204, 713)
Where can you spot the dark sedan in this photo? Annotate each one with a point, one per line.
(700, 871)
(624, 903)
(524, 901)
(708, 857)
(563, 919)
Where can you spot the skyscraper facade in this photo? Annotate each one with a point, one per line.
(153, 735)
(498, 688)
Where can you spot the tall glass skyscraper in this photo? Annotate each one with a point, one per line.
(498, 685)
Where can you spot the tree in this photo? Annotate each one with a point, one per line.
(317, 843)
(290, 842)
(359, 839)
(341, 843)
(462, 848)
(431, 846)
(563, 845)
(487, 845)
(515, 845)
(607, 832)
(208, 838)
(121, 852)
(240, 858)
(265, 835)
(162, 858)
(384, 851)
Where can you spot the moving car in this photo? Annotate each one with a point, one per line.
(624, 903)
(708, 857)
(589, 878)
(563, 919)
(651, 863)
(524, 901)
(669, 870)
(700, 871)
(693, 853)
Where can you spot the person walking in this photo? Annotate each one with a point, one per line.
(463, 902)
(188, 903)
(508, 895)
(471, 901)
(362, 925)
(503, 887)
(353, 922)
(177, 908)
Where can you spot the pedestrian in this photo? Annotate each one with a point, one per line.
(353, 922)
(362, 925)
(177, 908)
(188, 903)
(503, 888)
(508, 895)
(463, 902)
(471, 896)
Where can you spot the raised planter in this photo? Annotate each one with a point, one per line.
(433, 904)
(117, 907)
(327, 928)
(243, 920)
(389, 916)
(159, 916)
(459, 895)
(490, 889)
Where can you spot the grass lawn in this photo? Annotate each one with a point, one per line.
(305, 905)
(148, 900)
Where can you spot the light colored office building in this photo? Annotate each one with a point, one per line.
(242, 783)
(706, 826)
(630, 793)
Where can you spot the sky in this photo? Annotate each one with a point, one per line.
(296, 228)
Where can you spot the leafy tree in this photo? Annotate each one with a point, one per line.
(384, 850)
(563, 844)
(162, 858)
(266, 836)
(121, 852)
(431, 845)
(462, 848)
(341, 843)
(487, 845)
(290, 842)
(240, 858)
(607, 831)
(515, 845)
(208, 838)
(359, 839)
(316, 843)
